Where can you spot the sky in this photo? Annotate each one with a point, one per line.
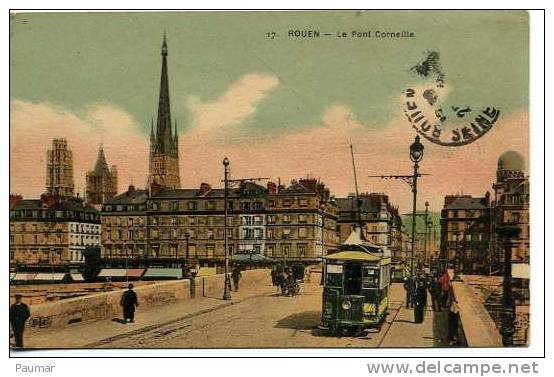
(281, 108)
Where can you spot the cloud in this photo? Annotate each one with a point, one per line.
(34, 125)
(232, 107)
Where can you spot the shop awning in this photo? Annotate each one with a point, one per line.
(112, 273)
(77, 277)
(135, 272)
(24, 276)
(163, 273)
(49, 276)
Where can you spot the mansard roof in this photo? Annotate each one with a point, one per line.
(349, 204)
(467, 202)
(133, 196)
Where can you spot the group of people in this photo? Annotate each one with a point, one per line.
(442, 297)
(285, 279)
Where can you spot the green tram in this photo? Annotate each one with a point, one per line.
(356, 289)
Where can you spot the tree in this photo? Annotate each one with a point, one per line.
(93, 262)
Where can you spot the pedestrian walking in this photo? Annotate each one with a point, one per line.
(273, 276)
(445, 283)
(453, 320)
(129, 301)
(236, 275)
(19, 313)
(420, 300)
(409, 287)
(435, 292)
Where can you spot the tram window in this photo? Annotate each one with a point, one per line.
(371, 278)
(334, 280)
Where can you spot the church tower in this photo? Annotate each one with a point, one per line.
(101, 183)
(59, 169)
(164, 144)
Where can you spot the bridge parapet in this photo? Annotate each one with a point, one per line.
(106, 305)
(476, 323)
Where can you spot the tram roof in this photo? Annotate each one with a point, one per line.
(355, 255)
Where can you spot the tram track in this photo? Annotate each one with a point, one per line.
(389, 325)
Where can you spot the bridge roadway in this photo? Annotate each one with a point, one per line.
(274, 321)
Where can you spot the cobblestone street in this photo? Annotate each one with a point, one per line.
(272, 321)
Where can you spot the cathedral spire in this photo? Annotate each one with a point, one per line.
(164, 154)
(163, 126)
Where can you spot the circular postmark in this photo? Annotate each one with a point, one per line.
(453, 126)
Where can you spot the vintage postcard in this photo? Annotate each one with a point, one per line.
(269, 179)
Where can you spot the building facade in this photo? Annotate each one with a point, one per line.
(289, 223)
(511, 205)
(51, 232)
(466, 232)
(124, 225)
(59, 169)
(101, 183)
(164, 144)
(379, 219)
(301, 221)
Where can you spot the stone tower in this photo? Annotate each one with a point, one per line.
(102, 181)
(164, 144)
(59, 170)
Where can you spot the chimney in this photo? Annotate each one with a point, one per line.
(205, 188)
(271, 188)
(449, 199)
(155, 189)
(130, 190)
(14, 199)
(488, 198)
(47, 200)
(309, 183)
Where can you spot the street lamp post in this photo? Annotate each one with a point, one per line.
(416, 154)
(227, 289)
(507, 233)
(187, 269)
(426, 233)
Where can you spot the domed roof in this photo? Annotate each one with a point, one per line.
(511, 160)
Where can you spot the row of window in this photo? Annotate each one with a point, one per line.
(271, 250)
(84, 240)
(57, 215)
(464, 213)
(85, 228)
(35, 228)
(45, 238)
(209, 233)
(209, 205)
(207, 220)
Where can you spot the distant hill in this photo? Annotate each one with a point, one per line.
(420, 224)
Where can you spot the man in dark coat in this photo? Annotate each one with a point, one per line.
(236, 275)
(19, 313)
(129, 302)
(420, 299)
(453, 321)
(435, 292)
